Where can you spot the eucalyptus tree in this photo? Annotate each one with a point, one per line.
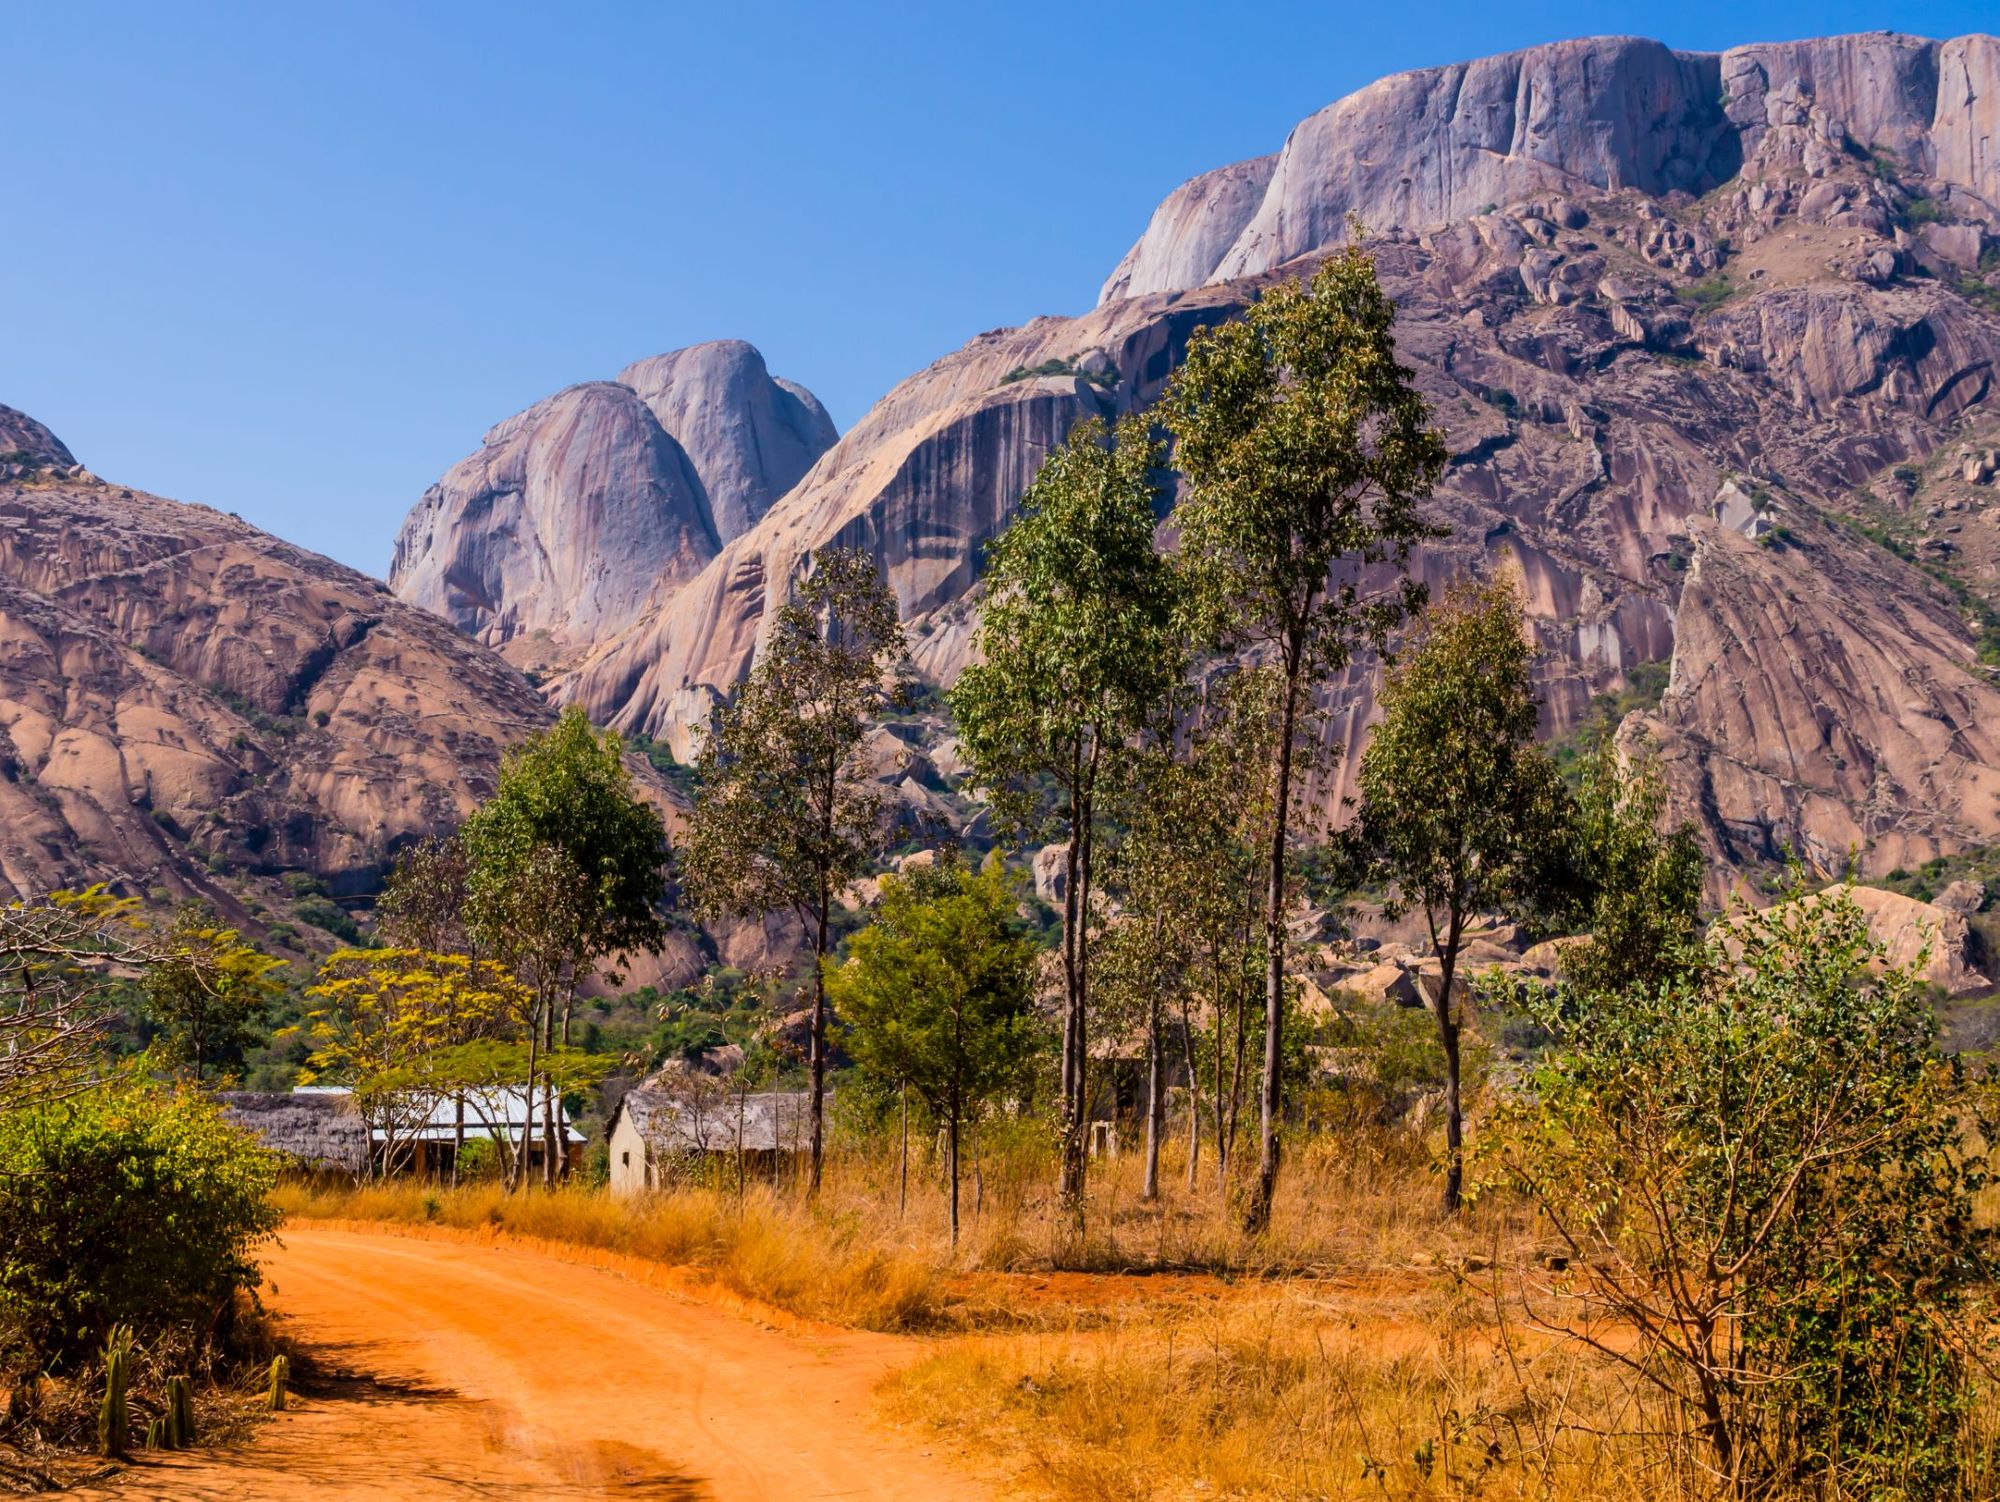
(787, 815)
(1304, 448)
(1074, 655)
(564, 870)
(1194, 823)
(938, 995)
(1460, 811)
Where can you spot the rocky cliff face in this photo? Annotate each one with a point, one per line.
(577, 514)
(189, 707)
(1584, 117)
(1712, 339)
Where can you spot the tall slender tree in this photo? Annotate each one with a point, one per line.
(1073, 656)
(1460, 811)
(787, 815)
(1305, 449)
(565, 872)
(938, 995)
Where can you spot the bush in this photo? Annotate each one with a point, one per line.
(324, 913)
(129, 1204)
(1769, 1169)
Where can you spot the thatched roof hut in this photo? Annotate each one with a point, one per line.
(319, 1132)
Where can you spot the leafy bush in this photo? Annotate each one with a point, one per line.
(1923, 210)
(324, 913)
(129, 1204)
(1769, 1170)
(1708, 295)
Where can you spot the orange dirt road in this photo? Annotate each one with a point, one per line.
(466, 1369)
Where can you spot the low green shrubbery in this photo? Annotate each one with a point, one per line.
(131, 1204)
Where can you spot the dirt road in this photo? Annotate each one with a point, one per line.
(472, 1370)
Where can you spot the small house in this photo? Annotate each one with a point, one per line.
(319, 1127)
(314, 1133)
(661, 1129)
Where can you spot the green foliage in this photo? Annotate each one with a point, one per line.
(1709, 294)
(1075, 657)
(1305, 448)
(1059, 367)
(1645, 685)
(208, 990)
(1075, 650)
(1922, 210)
(129, 1204)
(1641, 883)
(787, 814)
(679, 776)
(1769, 1171)
(938, 994)
(326, 914)
(565, 800)
(1460, 812)
(1303, 444)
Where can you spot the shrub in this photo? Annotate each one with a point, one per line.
(324, 913)
(1708, 295)
(129, 1204)
(1769, 1170)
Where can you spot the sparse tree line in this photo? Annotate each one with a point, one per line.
(1758, 1174)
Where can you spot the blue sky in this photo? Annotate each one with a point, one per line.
(292, 260)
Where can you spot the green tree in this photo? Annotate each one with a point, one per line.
(1073, 657)
(787, 815)
(938, 994)
(1640, 878)
(566, 870)
(426, 897)
(64, 963)
(1305, 449)
(209, 991)
(1194, 817)
(1460, 811)
(126, 1204)
(1764, 1171)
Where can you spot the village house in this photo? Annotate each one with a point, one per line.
(662, 1129)
(315, 1133)
(319, 1127)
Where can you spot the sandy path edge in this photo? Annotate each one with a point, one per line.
(482, 1364)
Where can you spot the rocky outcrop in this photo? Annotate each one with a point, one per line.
(578, 514)
(190, 707)
(25, 444)
(566, 521)
(749, 435)
(1582, 117)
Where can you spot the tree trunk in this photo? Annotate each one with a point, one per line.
(1156, 1100)
(951, 1158)
(1194, 1095)
(457, 1134)
(903, 1180)
(1274, 974)
(818, 1045)
(520, 1174)
(1447, 1020)
(1069, 1183)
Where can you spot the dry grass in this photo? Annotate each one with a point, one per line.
(1280, 1394)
